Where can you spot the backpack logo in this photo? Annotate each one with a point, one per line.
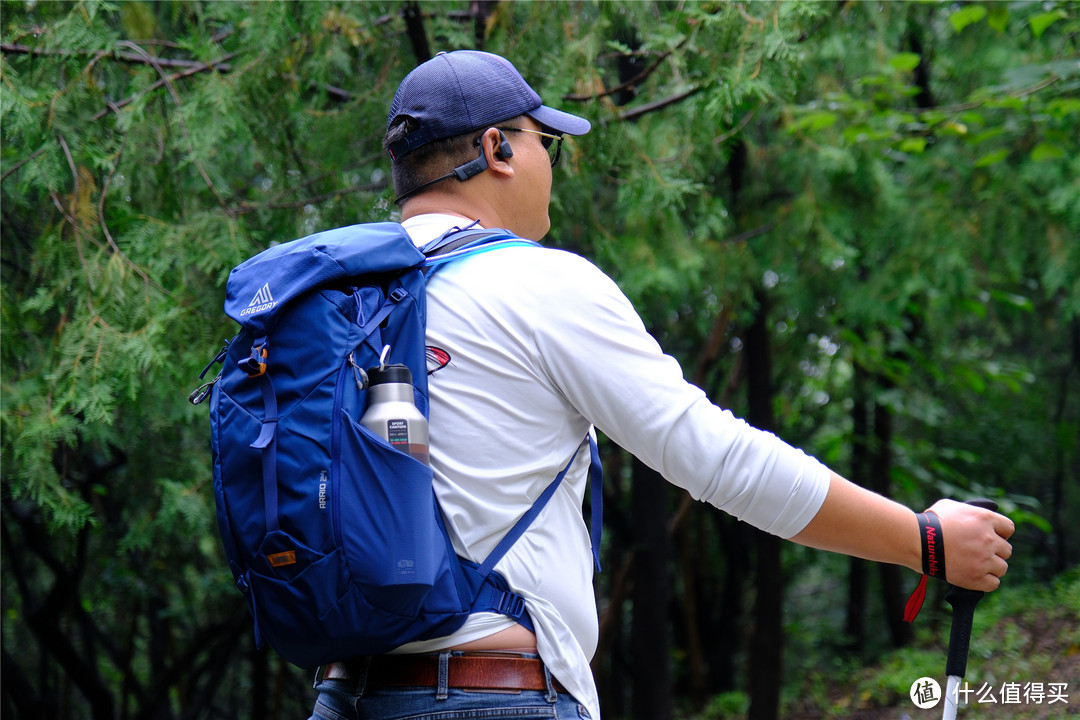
(263, 300)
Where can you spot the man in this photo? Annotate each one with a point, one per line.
(537, 346)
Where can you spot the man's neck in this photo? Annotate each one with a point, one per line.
(460, 205)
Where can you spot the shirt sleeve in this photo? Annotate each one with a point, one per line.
(599, 355)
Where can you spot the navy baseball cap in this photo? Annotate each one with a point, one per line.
(464, 90)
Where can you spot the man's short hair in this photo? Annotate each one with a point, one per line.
(436, 158)
(429, 161)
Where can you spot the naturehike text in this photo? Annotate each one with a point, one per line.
(931, 550)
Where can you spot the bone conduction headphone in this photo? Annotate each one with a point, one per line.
(467, 170)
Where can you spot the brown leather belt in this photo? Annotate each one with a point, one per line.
(468, 671)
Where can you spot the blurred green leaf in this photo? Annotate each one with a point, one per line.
(1045, 151)
(905, 61)
(998, 17)
(1040, 23)
(967, 15)
(992, 158)
(913, 145)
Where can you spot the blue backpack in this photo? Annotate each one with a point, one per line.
(334, 537)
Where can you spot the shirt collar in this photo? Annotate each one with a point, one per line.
(429, 226)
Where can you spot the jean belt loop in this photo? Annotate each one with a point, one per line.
(552, 696)
(442, 692)
(362, 676)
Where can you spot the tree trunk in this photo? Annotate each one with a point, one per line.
(766, 642)
(727, 622)
(481, 10)
(691, 550)
(414, 28)
(649, 643)
(855, 623)
(1059, 553)
(892, 590)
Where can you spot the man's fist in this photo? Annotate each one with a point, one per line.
(976, 544)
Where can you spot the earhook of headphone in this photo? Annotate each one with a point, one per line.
(505, 151)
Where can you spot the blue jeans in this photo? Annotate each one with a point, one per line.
(349, 700)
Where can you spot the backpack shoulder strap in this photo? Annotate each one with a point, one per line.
(494, 594)
(457, 243)
(523, 523)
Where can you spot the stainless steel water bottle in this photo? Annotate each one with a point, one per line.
(392, 412)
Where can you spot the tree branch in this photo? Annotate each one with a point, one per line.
(71, 218)
(246, 208)
(213, 641)
(632, 81)
(218, 65)
(22, 162)
(735, 130)
(749, 234)
(190, 67)
(629, 83)
(18, 689)
(46, 619)
(132, 58)
(183, 125)
(638, 112)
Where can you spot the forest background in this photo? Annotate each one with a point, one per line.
(854, 223)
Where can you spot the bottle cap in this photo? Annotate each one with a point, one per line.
(396, 373)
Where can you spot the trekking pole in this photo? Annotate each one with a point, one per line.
(963, 603)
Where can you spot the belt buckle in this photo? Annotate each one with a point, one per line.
(333, 671)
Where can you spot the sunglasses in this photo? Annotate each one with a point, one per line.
(551, 143)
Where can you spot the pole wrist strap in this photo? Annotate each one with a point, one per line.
(933, 560)
(933, 547)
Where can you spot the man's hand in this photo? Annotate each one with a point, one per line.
(976, 544)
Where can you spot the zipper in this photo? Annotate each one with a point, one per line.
(335, 448)
(360, 378)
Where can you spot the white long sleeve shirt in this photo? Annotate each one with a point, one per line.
(543, 346)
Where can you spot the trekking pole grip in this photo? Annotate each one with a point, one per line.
(963, 603)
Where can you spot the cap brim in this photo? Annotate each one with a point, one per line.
(559, 121)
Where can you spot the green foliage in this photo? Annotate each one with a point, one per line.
(897, 183)
(724, 706)
(1021, 633)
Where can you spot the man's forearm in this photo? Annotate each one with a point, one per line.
(861, 523)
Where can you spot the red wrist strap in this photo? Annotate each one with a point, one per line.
(914, 603)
